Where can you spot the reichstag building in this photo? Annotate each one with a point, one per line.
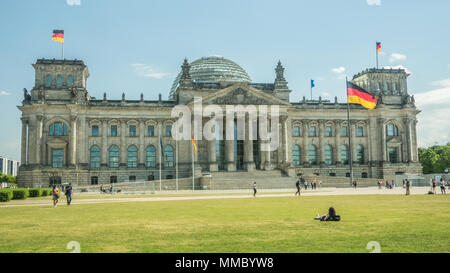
(69, 136)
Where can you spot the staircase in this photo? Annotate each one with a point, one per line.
(244, 180)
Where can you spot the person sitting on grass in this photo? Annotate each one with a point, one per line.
(330, 216)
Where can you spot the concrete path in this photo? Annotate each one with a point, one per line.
(218, 195)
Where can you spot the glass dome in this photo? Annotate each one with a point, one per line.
(213, 69)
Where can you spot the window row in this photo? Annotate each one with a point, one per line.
(132, 132)
(132, 156)
(313, 132)
(328, 153)
(59, 80)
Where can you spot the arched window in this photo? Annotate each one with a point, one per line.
(360, 154)
(94, 159)
(59, 81)
(386, 86)
(57, 129)
(48, 80)
(344, 154)
(70, 80)
(378, 86)
(296, 155)
(312, 154)
(391, 130)
(394, 86)
(132, 156)
(150, 156)
(328, 154)
(168, 156)
(113, 156)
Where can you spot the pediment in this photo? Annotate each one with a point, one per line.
(394, 140)
(57, 141)
(242, 94)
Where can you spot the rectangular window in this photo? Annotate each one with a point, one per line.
(94, 180)
(393, 155)
(296, 131)
(94, 130)
(328, 131)
(113, 179)
(312, 131)
(57, 158)
(360, 131)
(113, 130)
(132, 130)
(169, 130)
(151, 130)
(132, 178)
(344, 131)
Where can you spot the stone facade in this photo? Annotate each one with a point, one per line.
(69, 136)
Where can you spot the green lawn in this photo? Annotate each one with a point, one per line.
(418, 223)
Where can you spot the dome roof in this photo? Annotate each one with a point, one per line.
(213, 69)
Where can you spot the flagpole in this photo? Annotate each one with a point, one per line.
(176, 161)
(311, 88)
(62, 51)
(160, 163)
(193, 170)
(349, 136)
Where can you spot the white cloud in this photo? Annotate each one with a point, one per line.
(373, 2)
(339, 71)
(148, 71)
(398, 67)
(73, 2)
(433, 122)
(4, 93)
(395, 57)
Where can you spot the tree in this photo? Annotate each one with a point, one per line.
(435, 159)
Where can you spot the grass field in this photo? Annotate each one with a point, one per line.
(417, 223)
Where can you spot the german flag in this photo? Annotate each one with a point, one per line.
(58, 35)
(193, 144)
(356, 94)
(378, 47)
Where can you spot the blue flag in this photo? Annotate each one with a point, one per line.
(312, 83)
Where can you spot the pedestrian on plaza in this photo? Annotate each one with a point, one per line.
(354, 184)
(433, 186)
(387, 184)
(320, 184)
(306, 185)
(297, 185)
(55, 195)
(407, 185)
(403, 183)
(442, 186)
(254, 188)
(68, 193)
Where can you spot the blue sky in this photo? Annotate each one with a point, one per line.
(138, 46)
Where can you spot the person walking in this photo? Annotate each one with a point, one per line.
(68, 193)
(297, 184)
(354, 184)
(403, 183)
(320, 184)
(306, 185)
(254, 188)
(55, 195)
(442, 186)
(433, 186)
(407, 185)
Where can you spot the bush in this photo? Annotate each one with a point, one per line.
(5, 195)
(46, 192)
(35, 192)
(20, 193)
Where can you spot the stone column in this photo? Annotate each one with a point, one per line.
(73, 140)
(229, 154)
(320, 149)
(141, 153)
(104, 146)
(407, 122)
(352, 149)
(268, 165)
(159, 158)
(248, 146)
(39, 127)
(305, 132)
(337, 142)
(288, 141)
(23, 155)
(213, 167)
(382, 141)
(123, 145)
(414, 140)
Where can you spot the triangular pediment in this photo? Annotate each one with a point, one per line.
(56, 140)
(242, 94)
(394, 140)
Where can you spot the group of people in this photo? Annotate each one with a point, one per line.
(68, 191)
(441, 184)
(388, 185)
